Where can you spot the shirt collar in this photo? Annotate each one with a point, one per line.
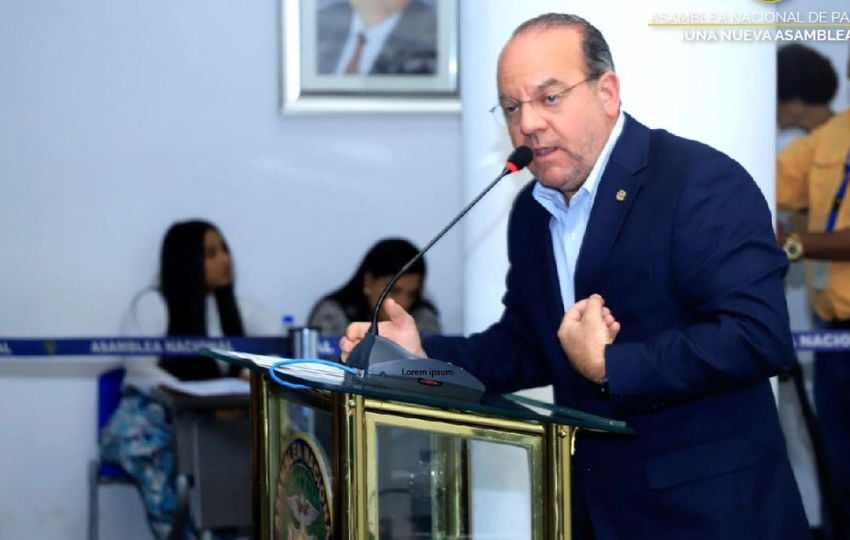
(377, 33)
(553, 200)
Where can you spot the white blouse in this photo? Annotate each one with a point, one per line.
(148, 317)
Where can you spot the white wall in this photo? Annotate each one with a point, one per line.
(119, 118)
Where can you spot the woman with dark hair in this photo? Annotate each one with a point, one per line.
(356, 300)
(194, 298)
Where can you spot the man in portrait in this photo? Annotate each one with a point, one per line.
(377, 37)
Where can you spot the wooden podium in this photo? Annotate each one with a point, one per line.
(348, 462)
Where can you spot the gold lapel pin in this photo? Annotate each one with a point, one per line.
(621, 195)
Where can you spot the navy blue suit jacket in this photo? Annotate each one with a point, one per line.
(689, 264)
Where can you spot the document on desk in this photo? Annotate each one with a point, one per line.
(307, 371)
(229, 386)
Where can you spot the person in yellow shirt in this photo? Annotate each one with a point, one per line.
(813, 173)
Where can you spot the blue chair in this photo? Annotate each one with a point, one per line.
(102, 472)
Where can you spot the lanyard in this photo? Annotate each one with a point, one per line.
(839, 196)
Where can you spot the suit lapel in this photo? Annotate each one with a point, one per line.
(618, 189)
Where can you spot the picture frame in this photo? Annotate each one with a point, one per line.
(414, 70)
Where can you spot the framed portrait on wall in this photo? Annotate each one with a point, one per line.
(341, 56)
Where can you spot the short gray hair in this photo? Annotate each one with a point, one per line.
(597, 54)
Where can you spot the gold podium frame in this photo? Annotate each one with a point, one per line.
(354, 467)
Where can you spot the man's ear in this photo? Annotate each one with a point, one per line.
(608, 90)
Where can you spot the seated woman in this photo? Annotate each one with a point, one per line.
(194, 298)
(356, 300)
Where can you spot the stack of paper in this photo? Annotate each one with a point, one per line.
(213, 387)
(307, 371)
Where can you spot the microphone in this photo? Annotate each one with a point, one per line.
(374, 349)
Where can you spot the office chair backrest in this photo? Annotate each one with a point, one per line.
(108, 395)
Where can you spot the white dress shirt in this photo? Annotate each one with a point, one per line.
(375, 37)
(569, 220)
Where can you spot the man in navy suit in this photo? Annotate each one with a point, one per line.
(668, 247)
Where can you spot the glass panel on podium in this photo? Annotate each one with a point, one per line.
(437, 485)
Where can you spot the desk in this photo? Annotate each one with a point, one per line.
(215, 454)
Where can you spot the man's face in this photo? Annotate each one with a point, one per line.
(539, 65)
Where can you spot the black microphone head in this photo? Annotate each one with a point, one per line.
(519, 158)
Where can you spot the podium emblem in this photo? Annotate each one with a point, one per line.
(302, 506)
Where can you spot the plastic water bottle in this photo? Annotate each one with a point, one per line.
(288, 321)
(303, 342)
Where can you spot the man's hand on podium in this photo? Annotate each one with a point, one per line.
(400, 328)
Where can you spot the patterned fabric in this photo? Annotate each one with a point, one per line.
(139, 435)
(139, 438)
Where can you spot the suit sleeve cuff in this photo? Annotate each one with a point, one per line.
(625, 376)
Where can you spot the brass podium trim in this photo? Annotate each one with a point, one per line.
(351, 466)
(354, 466)
(421, 411)
(260, 454)
(557, 470)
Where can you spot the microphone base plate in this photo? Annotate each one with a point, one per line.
(386, 365)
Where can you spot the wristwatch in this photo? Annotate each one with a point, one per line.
(793, 247)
